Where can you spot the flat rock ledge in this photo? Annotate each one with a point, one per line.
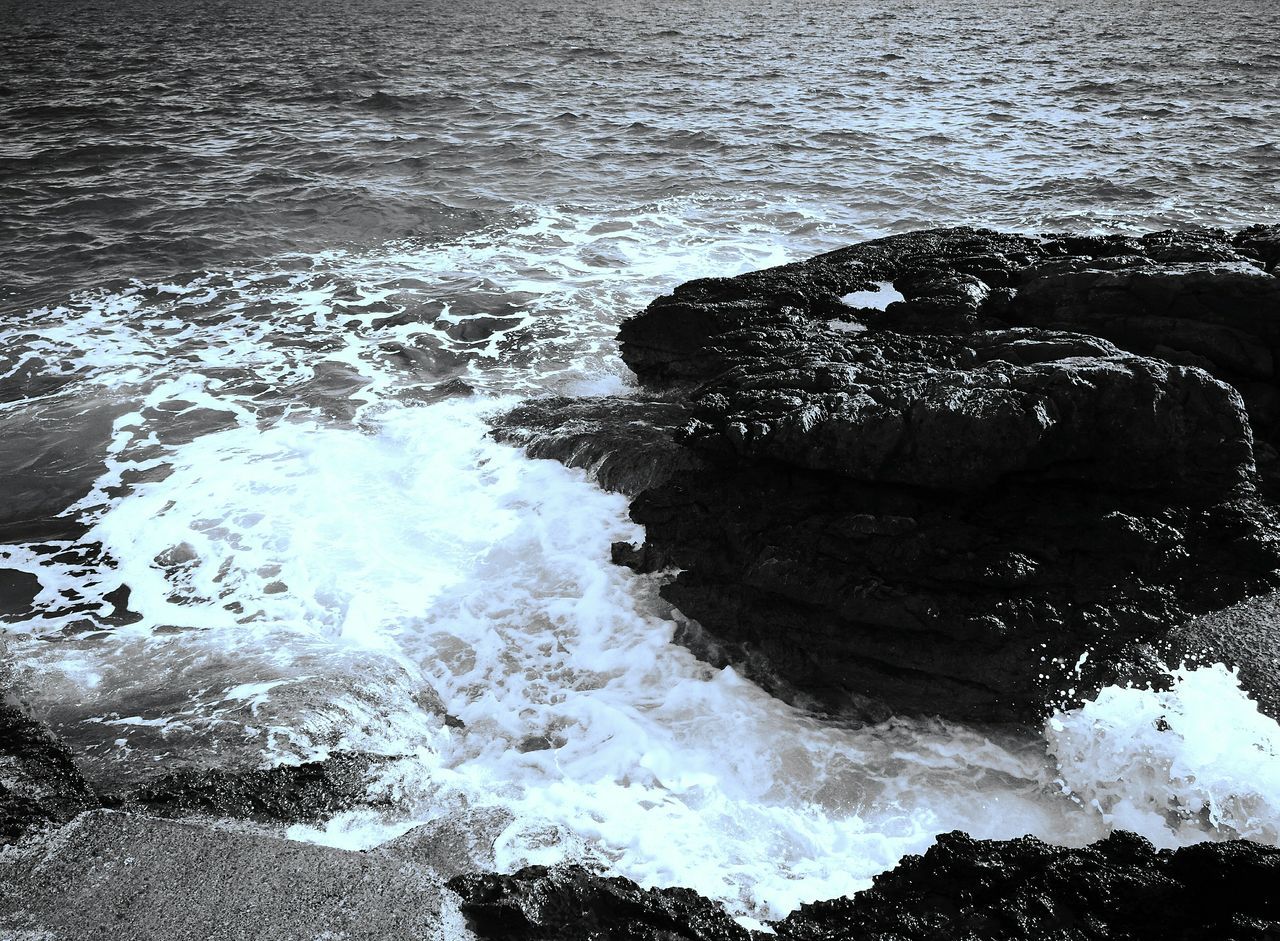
(111, 876)
(1051, 446)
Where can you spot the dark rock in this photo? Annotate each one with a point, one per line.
(1119, 889)
(307, 792)
(942, 505)
(40, 784)
(1261, 242)
(962, 889)
(959, 605)
(572, 903)
(1218, 310)
(626, 445)
(959, 414)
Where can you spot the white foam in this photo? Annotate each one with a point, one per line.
(879, 299)
(337, 569)
(846, 326)
(420, 555)
(1174, 765)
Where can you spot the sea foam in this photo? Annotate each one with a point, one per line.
(1174, 765)
(320, 557)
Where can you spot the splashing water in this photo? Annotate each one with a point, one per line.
(1174, 764)
(324, 550)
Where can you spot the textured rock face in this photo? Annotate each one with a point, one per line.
(39, 783)
(571, 903)
(1119, 888)
(308, 792)
(111, 876)
(938, 507)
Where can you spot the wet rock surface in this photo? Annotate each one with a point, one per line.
(1050, 446)
(571, 903)
(307, 792)
(1119, 888)
(625, 444)
(41, 786)
(39, 782)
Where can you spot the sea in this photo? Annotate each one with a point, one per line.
(267, 267)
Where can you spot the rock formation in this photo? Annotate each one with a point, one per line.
(1047, 448)
(1119, 889)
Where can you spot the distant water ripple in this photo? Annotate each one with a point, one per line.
(266, 266)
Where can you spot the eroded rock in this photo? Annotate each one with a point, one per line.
(1046, 448)
(307, 792)
(962, 889)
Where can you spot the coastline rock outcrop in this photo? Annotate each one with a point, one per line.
(1046, 448)
(41, 786)
(1118, 889)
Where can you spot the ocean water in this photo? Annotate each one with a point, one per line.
(267, 266)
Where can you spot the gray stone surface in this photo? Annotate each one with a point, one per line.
(110, 876)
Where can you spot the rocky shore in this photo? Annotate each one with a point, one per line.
(1050, 466)
(1119, 888)
(993, 496)
(72, 869)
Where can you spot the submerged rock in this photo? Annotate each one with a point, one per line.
(962, 888)
(940, 506)
(307, 792)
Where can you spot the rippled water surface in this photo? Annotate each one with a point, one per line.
(267, 266)
(148, 139)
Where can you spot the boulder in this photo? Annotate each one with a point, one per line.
(938, 507)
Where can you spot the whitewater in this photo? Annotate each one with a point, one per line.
(268, 269)
(325, 554)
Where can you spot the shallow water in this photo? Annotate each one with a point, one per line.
(256, 253)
